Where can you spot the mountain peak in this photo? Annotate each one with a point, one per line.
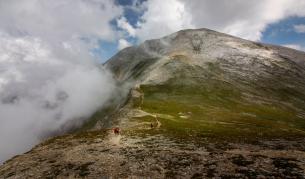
(198, 47)
(198, 104)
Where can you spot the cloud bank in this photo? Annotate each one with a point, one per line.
(49, 79)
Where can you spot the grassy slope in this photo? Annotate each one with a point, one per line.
(191, 107)
(210, 115)
(199, 102)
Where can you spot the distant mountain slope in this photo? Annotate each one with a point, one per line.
(194, 104)
(216, 84)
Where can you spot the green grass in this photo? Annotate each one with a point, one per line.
(217, 110)
(214, 107)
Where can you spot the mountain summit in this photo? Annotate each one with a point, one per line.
(218, 84)
(194, 104)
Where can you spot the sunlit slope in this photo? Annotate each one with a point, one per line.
(204, 83)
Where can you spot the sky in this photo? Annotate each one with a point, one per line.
(51, 77)
(130, 22)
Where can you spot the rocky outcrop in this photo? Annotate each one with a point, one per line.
(94, 155)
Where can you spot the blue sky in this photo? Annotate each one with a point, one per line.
(108, 49)
(142, 16)
(283, 32)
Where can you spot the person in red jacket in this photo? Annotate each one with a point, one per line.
(116, 130)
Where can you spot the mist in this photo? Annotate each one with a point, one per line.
(50, 80)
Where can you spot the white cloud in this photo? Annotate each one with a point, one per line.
(123, 24)
(163, 17)
(299, 28)
(246, 19)
(42, 89)
(48, 78)
(59, 20)
(123, 44)
(295, 46)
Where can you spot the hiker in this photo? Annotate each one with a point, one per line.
(116, 131)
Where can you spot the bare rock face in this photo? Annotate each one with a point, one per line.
(202, 104)
(201, 48)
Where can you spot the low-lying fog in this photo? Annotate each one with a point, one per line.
(49, 77)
